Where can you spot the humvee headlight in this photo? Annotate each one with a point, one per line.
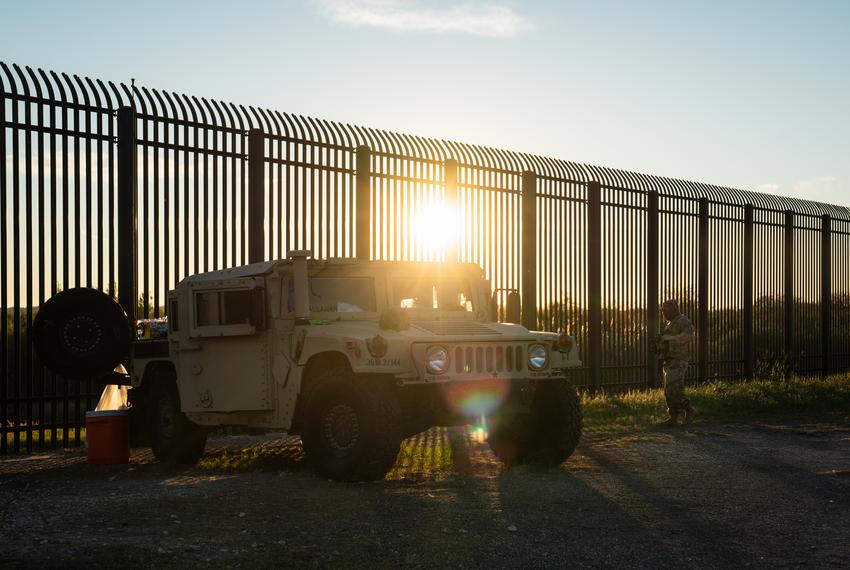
(538, 357)
(437, 360)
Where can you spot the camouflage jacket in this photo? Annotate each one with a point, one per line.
(678, 349)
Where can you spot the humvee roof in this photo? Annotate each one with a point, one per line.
(264, 267)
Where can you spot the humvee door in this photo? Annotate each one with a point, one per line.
(223, 366)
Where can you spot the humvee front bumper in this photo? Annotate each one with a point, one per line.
(528, 377)
(467, 400)
(485, 360)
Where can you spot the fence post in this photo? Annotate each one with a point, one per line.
(362, 201)
(126, 213)
(529, 250)
(256, 196)
(702, 292)
(826, 295)
(450, 200)
(652, 262)
(594, 283)
(749, 353)
(788, 307)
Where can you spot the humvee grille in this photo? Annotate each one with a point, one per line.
(455, 328)
(488, 358)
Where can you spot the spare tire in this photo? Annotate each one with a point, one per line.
(81, 333)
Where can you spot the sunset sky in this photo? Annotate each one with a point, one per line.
(752, 94)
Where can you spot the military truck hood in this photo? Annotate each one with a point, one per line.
(372, 349)
(431, 331)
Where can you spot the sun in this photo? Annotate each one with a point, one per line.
(437, 227)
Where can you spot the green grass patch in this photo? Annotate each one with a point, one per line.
(426, 455)
(45, 441)
(252, 458)
(239, 460)
(725, 401)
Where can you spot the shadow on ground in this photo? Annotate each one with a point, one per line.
(716, 496)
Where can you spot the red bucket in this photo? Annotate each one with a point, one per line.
(108, 437)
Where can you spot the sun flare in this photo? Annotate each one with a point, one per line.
(437, 228)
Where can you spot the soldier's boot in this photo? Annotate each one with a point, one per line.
(689, 413)
(672, 419)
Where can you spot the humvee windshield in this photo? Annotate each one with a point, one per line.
(430, 292)
(340, 295)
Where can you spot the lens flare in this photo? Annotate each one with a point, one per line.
(476, 398)
(480, 431)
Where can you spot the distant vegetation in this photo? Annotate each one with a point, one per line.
(742, 401)
(624, 337)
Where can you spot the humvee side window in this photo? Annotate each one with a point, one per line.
(427, 293)
(341, 295)
(172, 315)
(213, 308)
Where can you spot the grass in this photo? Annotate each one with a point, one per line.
(47, 442)
(725, 401)
(427, 454)
(261, 456)
(238, 460)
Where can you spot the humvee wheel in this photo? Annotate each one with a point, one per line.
(174, 439)
(547, 435)
(352, 428)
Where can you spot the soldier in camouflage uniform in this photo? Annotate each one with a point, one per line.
(674, 347)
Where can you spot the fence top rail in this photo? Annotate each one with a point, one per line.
(84, 94)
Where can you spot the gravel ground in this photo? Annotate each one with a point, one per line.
(760, 496)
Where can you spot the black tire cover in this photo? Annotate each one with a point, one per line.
(81, 334)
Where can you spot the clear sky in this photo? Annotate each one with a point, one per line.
(750, 93)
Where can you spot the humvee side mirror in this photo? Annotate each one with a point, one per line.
(513, 309)
(258, 308)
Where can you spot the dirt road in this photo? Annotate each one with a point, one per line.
(760, 496)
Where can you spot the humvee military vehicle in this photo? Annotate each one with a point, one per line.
(352, 356)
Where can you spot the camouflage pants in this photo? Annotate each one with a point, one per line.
(675, 372)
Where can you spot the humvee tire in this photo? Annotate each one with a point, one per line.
(81, 334)
(352, 427)
(547, 435)
(174, 439)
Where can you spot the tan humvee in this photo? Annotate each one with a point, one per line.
(354, 357)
